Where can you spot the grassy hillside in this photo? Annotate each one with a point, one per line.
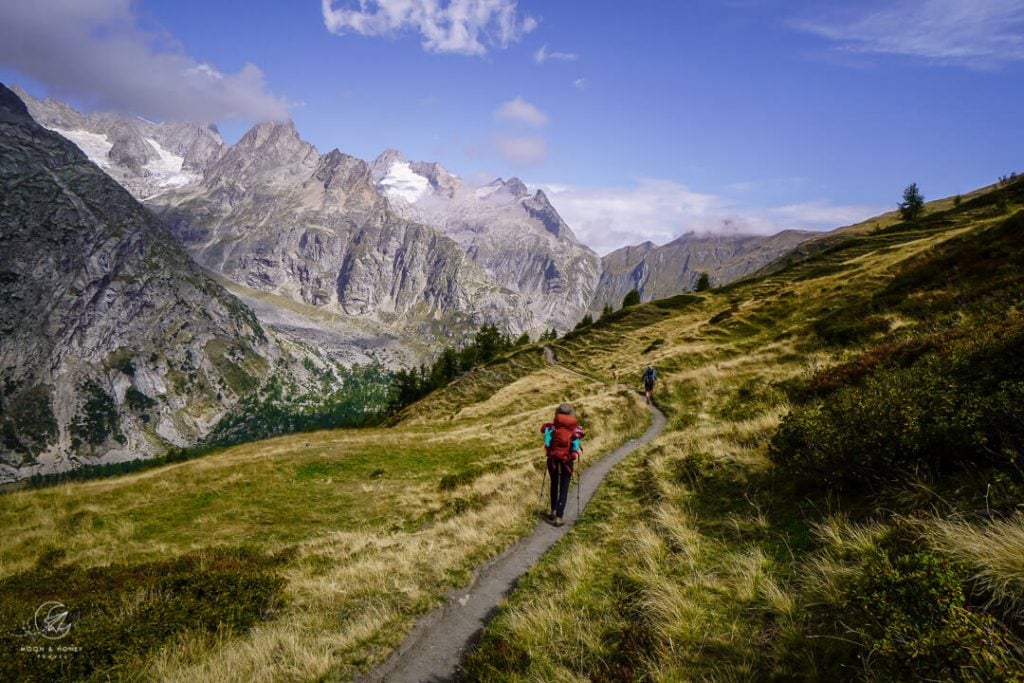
(300, 557)
(837, 495)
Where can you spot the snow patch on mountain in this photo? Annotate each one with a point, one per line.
(94, 145)
(166, 168)
(401, 182)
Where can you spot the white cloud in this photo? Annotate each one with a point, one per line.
(974, 33)
(606, 218)
(96, 50)
(542, 55)
(522, 111)
(521, 150)
(464, 27)
(580, 83)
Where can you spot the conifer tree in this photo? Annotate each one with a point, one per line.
(912, 205)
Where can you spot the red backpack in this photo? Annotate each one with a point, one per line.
(565, 427)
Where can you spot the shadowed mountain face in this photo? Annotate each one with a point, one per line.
(113, 343)
(659, 272)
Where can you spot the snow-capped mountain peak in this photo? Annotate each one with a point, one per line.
(401, 182)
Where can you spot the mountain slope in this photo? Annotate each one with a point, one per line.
(113, 344)
(837, 495)
(697, 560)
(365, 244)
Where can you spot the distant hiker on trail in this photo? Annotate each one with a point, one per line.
(649, 377)
(562, 444)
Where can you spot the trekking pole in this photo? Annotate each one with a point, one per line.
(558, 490)
(543, 478)
(579, 483)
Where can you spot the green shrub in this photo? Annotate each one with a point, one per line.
(138, 401)
(952, 410)
(895, 354)
(723, 315)
(96, 419)
(751, 399)
(849, 325)
(897, 613)
(27, 424)
(654, 345)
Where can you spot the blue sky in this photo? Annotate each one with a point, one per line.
(642, 120)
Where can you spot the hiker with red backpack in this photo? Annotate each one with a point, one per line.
(562, 445)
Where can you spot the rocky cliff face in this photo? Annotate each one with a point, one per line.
(113, 343)
(658, 272)
(274, 215)
(517, 238)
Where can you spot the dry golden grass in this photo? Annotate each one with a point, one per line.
(994, 551)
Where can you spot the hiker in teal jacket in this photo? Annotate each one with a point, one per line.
(562, 445)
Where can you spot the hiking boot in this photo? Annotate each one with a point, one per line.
(550, 516)
(559, 521)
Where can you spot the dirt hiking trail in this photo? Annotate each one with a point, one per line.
(438, 642)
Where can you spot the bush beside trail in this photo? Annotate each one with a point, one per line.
(952, 410)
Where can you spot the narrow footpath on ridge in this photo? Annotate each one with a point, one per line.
(440, 639)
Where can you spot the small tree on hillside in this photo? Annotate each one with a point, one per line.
(703, 283)
(632, 299)
(587, 321)
(912, 205)
(607, 311)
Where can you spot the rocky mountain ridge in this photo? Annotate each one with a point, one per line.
(146, 158)
(375, 247)
(662, 271)
(274, 215)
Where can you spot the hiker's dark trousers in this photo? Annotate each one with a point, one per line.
(560, 474)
